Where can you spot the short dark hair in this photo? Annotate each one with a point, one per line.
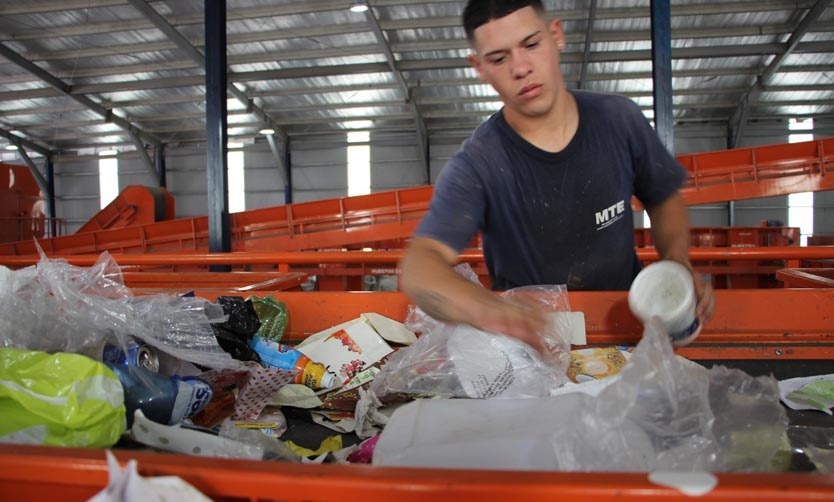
(479, 12)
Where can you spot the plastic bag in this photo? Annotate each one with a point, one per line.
(418, 321)
(57, 307)
(661, 412)
(666, 412)
(235, 334)
(458, 360)
(273, 316)
(815, 443)
(59, 400)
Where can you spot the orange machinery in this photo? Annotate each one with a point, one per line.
(780, 326)
(22, 207)
(135, 205)
(383, 220)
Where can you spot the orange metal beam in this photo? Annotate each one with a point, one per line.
(806, 277)
(745, 173)
(392, 257)
(747, 324)
(48, 473)
(240, 281)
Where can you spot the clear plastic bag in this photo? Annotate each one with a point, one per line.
(458, 360)
(665, 412)
(661, 412)
(57, 307)
(417, 321)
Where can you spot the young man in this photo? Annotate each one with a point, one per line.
(548, 181)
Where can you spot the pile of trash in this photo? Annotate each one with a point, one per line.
(83, 362)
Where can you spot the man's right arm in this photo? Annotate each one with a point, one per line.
(428, 278)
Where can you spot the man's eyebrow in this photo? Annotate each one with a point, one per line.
(523, 42)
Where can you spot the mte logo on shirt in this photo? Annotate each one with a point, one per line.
(610, 214)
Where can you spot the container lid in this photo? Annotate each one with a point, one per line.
(329, 381)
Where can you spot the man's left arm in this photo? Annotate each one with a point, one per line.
(670, 230)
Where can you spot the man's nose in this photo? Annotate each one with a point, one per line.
(520, 66)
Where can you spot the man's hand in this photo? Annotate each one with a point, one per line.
(706, 297)
(520, 318)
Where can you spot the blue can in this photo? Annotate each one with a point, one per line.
(136, 353)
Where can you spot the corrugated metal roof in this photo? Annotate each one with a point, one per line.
(315, 67)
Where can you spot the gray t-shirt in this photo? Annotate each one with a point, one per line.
(555, 218)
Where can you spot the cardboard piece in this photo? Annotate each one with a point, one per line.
(348, 348)
(391, 330)
(576, 322)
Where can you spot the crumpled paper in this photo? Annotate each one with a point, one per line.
(128, 486)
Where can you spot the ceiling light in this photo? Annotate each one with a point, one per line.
(358, 7)
(11, 147)
(107, 153)
(267, 132)
(234, 145)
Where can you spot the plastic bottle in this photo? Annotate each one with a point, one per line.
(278, 355)
(163, 399)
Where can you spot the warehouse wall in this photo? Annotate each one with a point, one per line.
(318, 171)
(395, 161)
(319, 168)
(76, 190)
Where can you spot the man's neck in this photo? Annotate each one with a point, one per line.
(553, 131)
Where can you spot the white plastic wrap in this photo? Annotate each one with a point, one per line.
(57, 307)
(661, 412)
(458, 360)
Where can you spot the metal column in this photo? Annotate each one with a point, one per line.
(160, 166)
(288, 166)
(50, 196)
(216, 136)
(662, 71)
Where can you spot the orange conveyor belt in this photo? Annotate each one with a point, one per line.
(385, 219)
(772, 325)
(776, 325)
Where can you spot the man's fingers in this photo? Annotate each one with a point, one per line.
(706, 304)
(522, 320)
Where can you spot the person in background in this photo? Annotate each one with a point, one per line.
(547, 180)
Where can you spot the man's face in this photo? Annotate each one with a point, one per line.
(518, 55)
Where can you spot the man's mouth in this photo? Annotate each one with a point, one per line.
(530, 91)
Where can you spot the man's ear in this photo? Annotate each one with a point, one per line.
(475, 61)
(557, 33)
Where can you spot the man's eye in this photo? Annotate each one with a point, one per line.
(497, 60)
(532, 45)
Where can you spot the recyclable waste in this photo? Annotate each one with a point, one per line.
(278, 355)
(163, 399)
(273, 316)
(134, 352)
(235, 334)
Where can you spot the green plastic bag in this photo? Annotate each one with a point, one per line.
(818, 394)
(59, 399)
(273, 316)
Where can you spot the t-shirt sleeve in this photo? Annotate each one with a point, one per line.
(658, 174)
(457, 207)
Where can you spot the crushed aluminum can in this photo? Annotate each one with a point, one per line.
(135, 353)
